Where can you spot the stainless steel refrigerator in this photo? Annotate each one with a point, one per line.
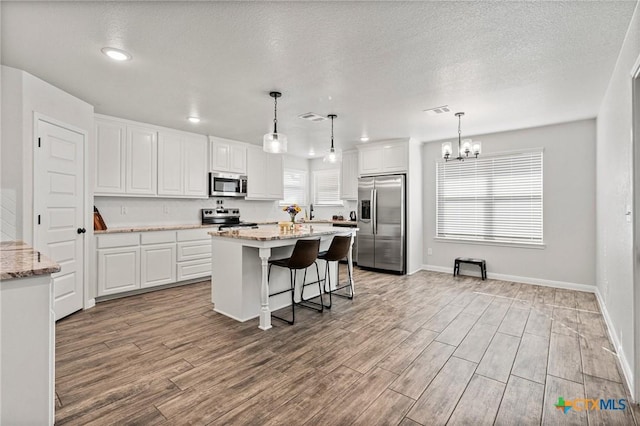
(381, 220)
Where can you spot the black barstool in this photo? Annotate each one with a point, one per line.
(304, 255)
(338, 250)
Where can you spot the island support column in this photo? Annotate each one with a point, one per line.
(265, 313)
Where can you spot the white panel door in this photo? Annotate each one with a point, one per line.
(170, 164)
(394, 158)
(256, 173)
(349, 176)
(142, 157)
(219, 156)
(158, 264)
(370, 161)
(238, 159)
(195, 167)
(59, 185)
(110, 157)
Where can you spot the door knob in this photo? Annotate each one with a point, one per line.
(81, 230)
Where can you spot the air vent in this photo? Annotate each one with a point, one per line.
(438, 110)
(312, 116)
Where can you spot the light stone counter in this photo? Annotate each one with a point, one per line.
(273, 232)
(19, 260)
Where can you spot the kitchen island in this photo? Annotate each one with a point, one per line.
(240, 262)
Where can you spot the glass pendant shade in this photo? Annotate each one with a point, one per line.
(465, 148)
(477, 148)
(274, 143)
(333, 156)
(447, 150)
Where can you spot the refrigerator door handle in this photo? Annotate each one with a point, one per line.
(374, 210)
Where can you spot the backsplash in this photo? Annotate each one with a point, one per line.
(129, 211)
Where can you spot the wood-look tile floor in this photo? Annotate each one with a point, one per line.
(423, 349)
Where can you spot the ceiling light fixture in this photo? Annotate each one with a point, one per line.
(364, 139)
(116, 54)
(194, 119)
(466, 146)
(275, 143)
(333, 155)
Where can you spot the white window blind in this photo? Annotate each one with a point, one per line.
(496, 199)
(326, 187)
(295, 187)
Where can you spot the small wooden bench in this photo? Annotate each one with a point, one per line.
(479, 262)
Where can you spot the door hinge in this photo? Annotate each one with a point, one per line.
(38, 219)
(39, 143)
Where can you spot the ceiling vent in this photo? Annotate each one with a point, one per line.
(311, 116)
(438, 110)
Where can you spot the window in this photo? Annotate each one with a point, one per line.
(295, 187)
(326, 187)
(494, 199)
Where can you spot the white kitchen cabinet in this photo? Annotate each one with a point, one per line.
(194, 269)
(170, 164)
(141, 161)
(182, 165)
(383, 157)
(265, 175)
(111, 137)
(195, 167)
(227, 156)
(118, 270)
(157, 264)
(349, 176)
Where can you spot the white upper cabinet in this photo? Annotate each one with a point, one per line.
(195, 167)
(170, 163)
(182, 165)
(227, 156)
(142, 160)
(265, 175)
(135, 159)
(383, 157)
(111, 139)
(349, 176)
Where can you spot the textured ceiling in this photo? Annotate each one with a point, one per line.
(376, 65)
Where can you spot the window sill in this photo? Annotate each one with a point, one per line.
(491, 243)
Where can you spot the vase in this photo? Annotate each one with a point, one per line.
(293, 219)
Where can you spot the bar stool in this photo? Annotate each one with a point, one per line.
(338, 250)
(304, 254)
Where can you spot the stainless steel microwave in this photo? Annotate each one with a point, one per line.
(227, 185)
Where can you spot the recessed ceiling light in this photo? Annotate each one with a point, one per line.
(194, 119)
(311, 153)
(364, 139)
(116, 54)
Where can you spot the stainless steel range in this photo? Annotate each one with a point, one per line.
(226, 218)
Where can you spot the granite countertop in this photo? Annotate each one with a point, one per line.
(151, 228)
(270, 233)
(19, 260)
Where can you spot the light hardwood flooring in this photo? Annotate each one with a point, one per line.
(421, 349)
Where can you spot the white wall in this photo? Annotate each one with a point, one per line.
(614, 256)
(415, 220)
(569, 209)
(22, 96)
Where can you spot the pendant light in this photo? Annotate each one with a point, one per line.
(465, 146)
(275, 143)
(333, 155)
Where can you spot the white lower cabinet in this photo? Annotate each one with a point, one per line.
(158, 265)
(131, 261)
(118, 270)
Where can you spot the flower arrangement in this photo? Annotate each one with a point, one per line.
(293, 210)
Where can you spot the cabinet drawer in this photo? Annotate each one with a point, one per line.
(118, 240)
(195, 234)
(158, 237)
(194, 250)
(194, 269)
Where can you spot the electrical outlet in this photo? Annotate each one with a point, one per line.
(123, 210)
(165, 209)
(429, 251)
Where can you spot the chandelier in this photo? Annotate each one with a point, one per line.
(465, 146)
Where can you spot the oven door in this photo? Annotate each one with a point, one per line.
(227, 185)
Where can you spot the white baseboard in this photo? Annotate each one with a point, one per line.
(518, 279)
(613, 335)
(89, 304)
